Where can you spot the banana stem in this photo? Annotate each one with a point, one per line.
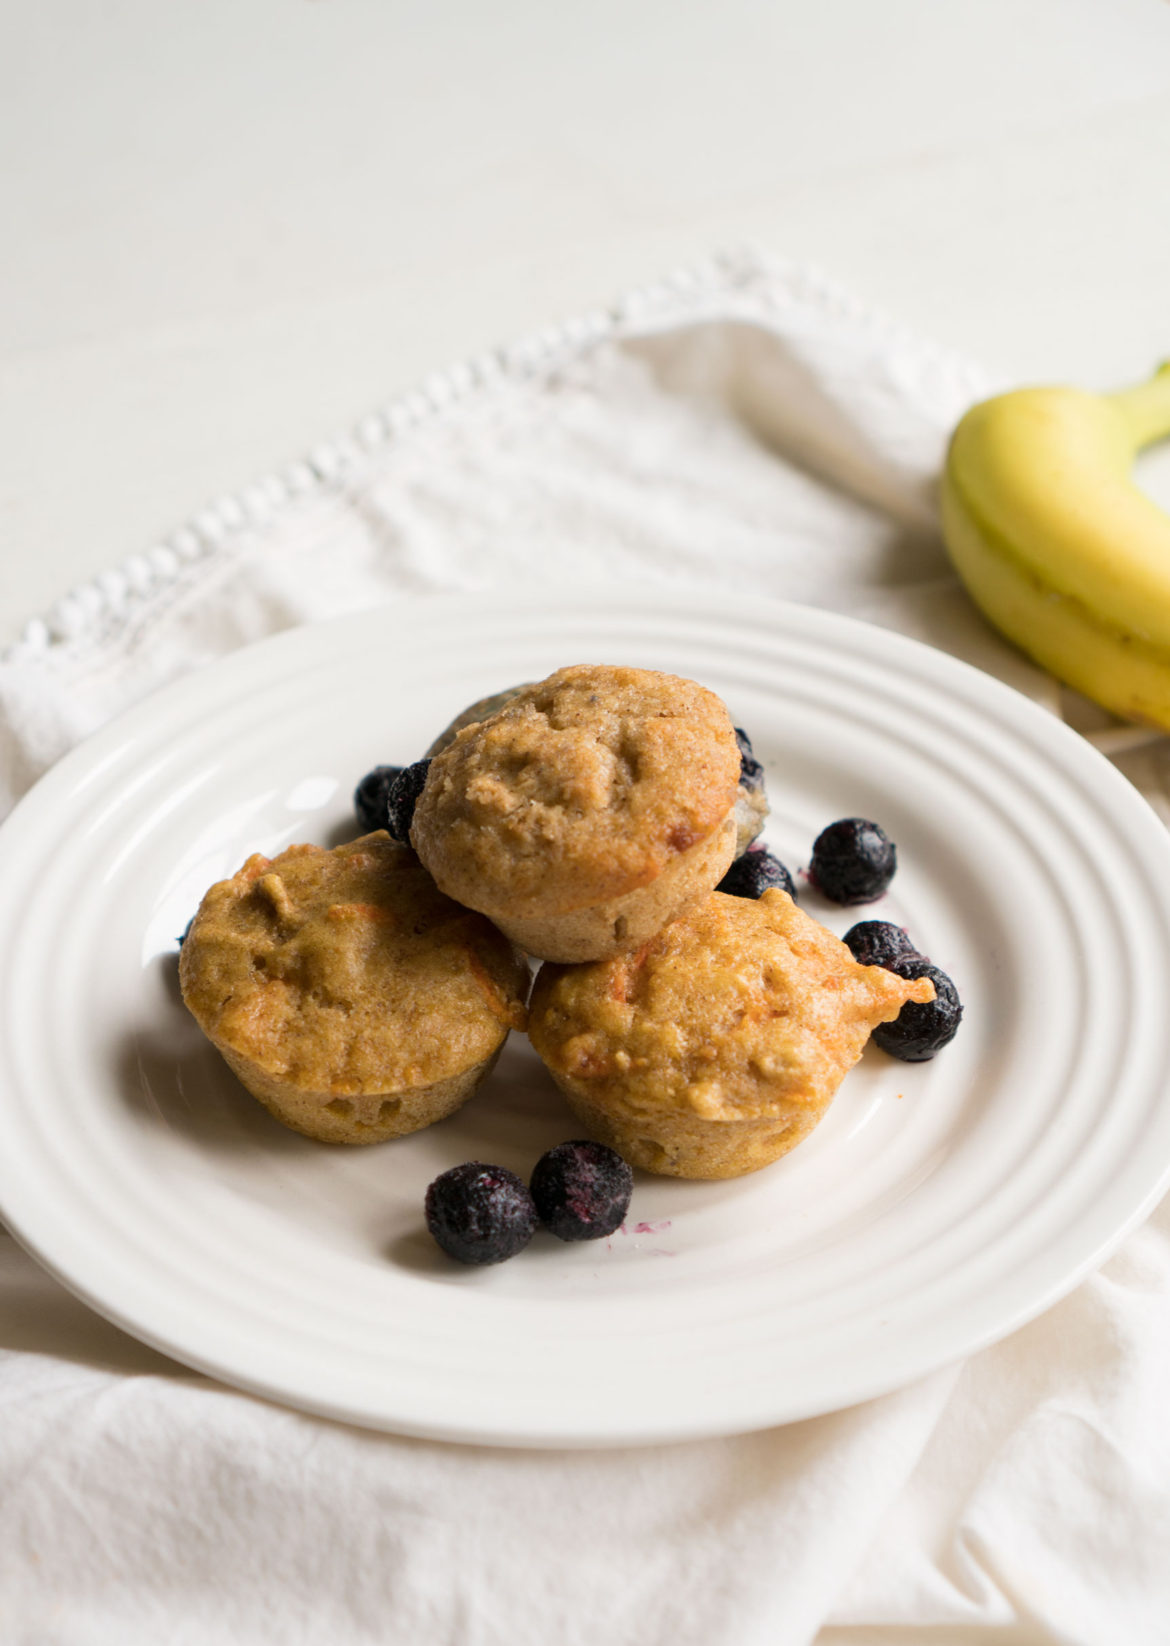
(1146, 407)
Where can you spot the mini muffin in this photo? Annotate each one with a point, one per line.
(751, 799)
(587, 812)
(346, 992)
(717, 1046)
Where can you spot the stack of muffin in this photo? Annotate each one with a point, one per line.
(585, 822)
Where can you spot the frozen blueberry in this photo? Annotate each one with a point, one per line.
(919, 1031)
(479, 1213)
(878, 942)
(186, 929)
(403, 798)
(753, 874)
(751, 773)
(853, 861)
(582, 1190)
(371, 797)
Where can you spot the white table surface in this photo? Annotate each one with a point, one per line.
(231, 228)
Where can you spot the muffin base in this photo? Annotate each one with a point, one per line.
(626, 922)
(358, 1117)
(700, 1151)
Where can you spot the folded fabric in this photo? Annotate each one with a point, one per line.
(740, 425)
(745, 425)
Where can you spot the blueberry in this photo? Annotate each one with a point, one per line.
(877, 942)
(754, 873)
(853, 861)
(919, 1031)
(371, 796)
(751, 773)
(582, 1190)
(479, 1213)
(403, 798)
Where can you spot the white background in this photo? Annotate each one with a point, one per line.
(231, 227)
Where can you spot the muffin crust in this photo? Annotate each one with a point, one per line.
(346, 992)
(751, 800)
(718, 1045)
(582, 791)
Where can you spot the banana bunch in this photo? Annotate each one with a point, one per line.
(1057, 545)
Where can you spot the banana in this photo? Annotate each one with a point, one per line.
(1058, 546)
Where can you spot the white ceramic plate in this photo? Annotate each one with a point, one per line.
(937, 1207)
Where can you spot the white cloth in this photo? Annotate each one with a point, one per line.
(744, 424)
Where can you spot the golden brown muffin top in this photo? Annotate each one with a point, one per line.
(348, 970)
(582, 788)
(733, 1011)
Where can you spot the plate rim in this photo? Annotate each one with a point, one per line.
(100, 749)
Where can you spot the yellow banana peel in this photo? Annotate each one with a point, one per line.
(1058, 546)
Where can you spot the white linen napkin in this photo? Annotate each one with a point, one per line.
(744, 424)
